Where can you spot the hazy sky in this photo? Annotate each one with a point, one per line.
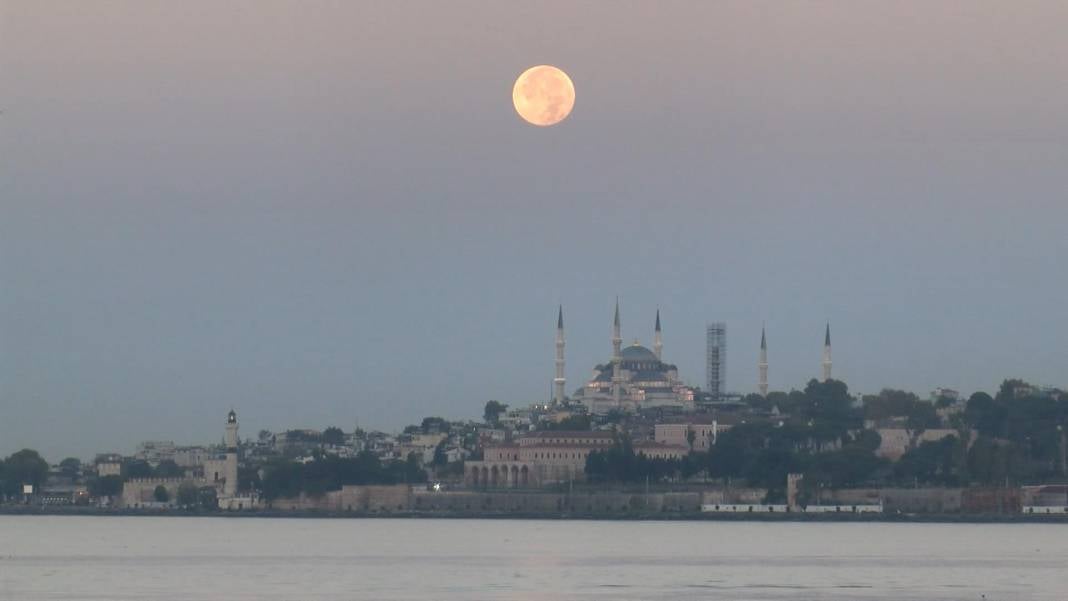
(328, 213)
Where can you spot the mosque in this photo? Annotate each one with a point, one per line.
(634, 378)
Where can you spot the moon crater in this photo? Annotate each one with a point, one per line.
(543, 95)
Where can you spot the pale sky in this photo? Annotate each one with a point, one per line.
(328, 213)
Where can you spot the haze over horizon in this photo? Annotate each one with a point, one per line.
(329, 213)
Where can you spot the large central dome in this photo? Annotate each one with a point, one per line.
(637, 352)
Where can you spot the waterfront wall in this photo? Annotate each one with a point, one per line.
(402, 498)
(553, 503)
(406, 499)
(366, 499)
(901, 500)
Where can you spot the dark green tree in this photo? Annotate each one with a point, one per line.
(208, 498)
(985, 415)
(433, 425)
(931, 463)
(106, 486)
(137, 468)
(440, 458)
(188, 495)
(168, 469)
(333, 435)
(492, 412)
(71, 467)
(24, 467)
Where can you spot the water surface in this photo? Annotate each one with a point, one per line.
(179, 559)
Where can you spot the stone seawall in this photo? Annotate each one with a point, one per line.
(362, 499)
(402, 498)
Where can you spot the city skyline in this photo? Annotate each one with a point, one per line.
(324, 217)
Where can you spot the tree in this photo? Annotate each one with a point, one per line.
(70, 467)
(188, 494)
(933, 462)
(333, 435)
(919, 414)
(208, 498)
(758, 402)
(138, 468)
(440, 458)
(829, 406)
(168, 469)
(493, 411)
(23, 467)
(106, 486)
(621, 464)
(287, 479)
(248, 478)
(160, 494)
(434, 424)
(868, 439)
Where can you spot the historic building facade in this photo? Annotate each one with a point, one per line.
(545, 458)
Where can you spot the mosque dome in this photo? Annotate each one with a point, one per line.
(637, 352)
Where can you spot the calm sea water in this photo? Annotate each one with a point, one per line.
(172, 559)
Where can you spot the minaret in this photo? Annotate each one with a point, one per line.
(230, 466)
(617, 358)
(558, 381)
(617, 336)
(827, 354)
(231, 431)
(658, 341)
(762, 365)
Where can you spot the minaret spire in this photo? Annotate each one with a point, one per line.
(559, 381)
(827, 354)
(617, 358)
(658, 341)
(617, 335)
(762, 364)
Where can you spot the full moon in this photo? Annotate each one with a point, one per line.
(543, 95)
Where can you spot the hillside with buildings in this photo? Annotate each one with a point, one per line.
(800, 450)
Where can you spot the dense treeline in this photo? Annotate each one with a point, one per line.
(286, 479)
(1006, 439)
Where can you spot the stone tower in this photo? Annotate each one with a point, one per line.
(827, 354)
(230, 465)
(231, 431)
(762, 364)
(559, 381)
